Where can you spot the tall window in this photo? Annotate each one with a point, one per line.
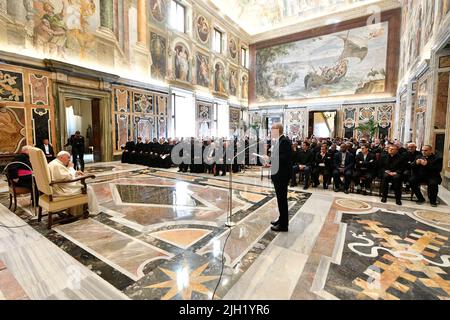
(217, 45)
(177, 16)
(244, 57)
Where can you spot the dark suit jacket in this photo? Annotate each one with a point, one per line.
(327, 160)
(282, 155)
(369, 165)
(50, 149)
(432, 170)
(349, 161)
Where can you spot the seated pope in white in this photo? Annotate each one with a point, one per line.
(62, 169)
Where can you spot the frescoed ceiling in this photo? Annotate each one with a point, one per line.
(259, 16)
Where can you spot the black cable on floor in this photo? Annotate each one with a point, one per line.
(223, 262)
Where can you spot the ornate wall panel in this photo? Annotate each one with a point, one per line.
(143, 103)
(11, 86)
(354, 115)
(12, 129)
(121, 101)
(235, 119)
(138, 113)
(204, 119)
(39, 89)
(122, 129)
(296, 122)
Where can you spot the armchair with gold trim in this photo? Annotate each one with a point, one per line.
(47, 201)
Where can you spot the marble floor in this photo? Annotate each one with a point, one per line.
(163, 235)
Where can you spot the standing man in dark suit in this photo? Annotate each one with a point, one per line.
(281, 158)
(427, 169)
(344, 163)
(77, 143)
(48, 150)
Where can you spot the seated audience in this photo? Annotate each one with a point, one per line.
(411, 156)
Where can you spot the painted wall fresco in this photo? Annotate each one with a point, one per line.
(203, 70)
(422, 21)
(343, 63)
(159, 9)
(203, 29)
(158, 48)
(120, 37)
(220, 78)
(182, 63)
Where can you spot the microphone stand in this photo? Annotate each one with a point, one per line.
(230, 223)
(32, 182)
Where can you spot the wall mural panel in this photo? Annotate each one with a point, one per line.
(220, 78)
(233, 82)
(39, 89)
(11, 86)
(342, 63)
(422, 20)
(182, 63)
(12, 129)
(41, 125)
(235, 120)
(233, 49)
(158, 47)
(420, 111)
(203, 29)
(159, 9)
(203, 70)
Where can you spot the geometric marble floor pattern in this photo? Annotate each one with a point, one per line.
(379, 252)
(162, 235)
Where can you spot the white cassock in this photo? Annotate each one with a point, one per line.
(59, 172)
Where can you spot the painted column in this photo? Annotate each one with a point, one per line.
(142, 22)
(106, 14)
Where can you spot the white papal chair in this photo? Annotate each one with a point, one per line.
(44, 183)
